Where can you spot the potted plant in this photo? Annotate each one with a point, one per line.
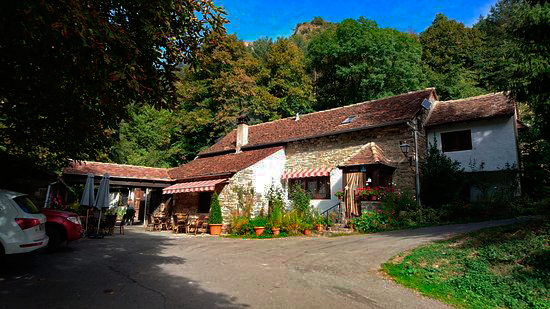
(339, 195)
(319, 222)
(259, 224)
(276, 218)
(215, 218)
(306, 226)
(369, 194)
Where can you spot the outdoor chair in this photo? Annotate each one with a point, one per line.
(150, 224)
(201, 224)
(109, 224)
(180, 224)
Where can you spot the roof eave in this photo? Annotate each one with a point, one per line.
(290, 140)
(466, 120)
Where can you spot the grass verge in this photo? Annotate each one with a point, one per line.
(503, 267)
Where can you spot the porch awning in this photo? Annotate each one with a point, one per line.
(195, 186)
(308, 172)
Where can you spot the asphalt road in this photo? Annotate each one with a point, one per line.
(161, 270)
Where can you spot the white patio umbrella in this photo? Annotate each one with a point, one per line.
(88, 199)
(102, 199)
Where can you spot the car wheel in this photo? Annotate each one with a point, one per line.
(55, 236)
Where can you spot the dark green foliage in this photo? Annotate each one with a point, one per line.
(517, 57)
(70, 68)
(451, 53)
(370, 221)
(287, 79)
(442, 179)
(147, 139)
(359, 61)
(215, 216)
(505, 267)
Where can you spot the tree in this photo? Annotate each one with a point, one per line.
(260, 48)
(288, 80)
(518, 56)
(71, 67)
(147, 138)
(359, 61)
(222, 87)
(442, 178)
(451, 53)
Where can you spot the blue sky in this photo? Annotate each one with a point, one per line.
(251, 19)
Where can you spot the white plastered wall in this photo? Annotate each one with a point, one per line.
(493, 143)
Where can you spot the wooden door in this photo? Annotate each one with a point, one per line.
(352, 181)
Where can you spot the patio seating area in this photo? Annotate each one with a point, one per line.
(178, 223)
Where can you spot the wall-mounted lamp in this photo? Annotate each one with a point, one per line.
(405, 150)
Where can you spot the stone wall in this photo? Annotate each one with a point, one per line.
(335, 150)
(259, 177)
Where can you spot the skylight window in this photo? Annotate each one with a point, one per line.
(348, 120)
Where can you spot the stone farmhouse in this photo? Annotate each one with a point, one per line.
(381, 142)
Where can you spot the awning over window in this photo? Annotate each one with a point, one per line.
(195, 186)
(308, 172)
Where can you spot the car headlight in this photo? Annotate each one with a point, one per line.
(75, 220)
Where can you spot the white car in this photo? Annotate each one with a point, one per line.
(22, 226)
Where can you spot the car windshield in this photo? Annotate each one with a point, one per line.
(26, 205)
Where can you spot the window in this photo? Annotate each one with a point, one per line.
(348, 120)
(26, 205)
(456, 141)
(318, 188)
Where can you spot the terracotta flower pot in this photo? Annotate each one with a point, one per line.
(276, 231)
(259, 230)
(307, 232)
(215, 229)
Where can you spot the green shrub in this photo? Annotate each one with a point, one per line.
(370, 221)
(240, 225)
(215, 216)
(277, 214)
(422, 216)
(259, 221)
(443, 178)
(292, 222)
(300, 201)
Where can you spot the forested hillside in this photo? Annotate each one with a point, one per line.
(126, 112)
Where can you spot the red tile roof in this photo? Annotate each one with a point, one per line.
(117, 170)
(369, 154)
(485, 106)
(221, 164)
(369, 114)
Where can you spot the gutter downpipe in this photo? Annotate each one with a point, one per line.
(415, 132)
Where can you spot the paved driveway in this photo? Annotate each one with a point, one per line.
(161, 270)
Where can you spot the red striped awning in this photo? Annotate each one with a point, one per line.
(195, 186)
(308, 172)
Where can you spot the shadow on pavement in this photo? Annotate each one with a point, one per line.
(120, 271)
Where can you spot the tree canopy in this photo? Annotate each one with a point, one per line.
(70, 68)
(359, 61)
(451, 54)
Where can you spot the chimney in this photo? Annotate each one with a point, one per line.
(242, 132)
